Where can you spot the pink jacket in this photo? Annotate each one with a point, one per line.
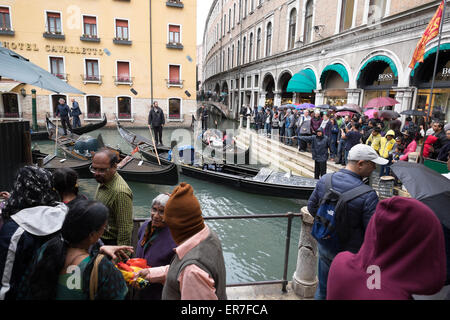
(412, 146)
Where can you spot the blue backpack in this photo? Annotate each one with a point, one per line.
(331, 226)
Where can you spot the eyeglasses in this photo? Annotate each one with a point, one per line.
(98, 170)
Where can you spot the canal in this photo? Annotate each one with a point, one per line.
(254, 249)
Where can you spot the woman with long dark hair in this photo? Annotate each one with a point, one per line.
(66, 183)
(63, 268)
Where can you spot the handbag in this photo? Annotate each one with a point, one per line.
(93, 283)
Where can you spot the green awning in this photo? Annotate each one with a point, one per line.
(442, 47)
(339, 68)
(303, 81)
(385, 59)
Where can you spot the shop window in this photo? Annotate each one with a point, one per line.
(174, 108)
(307, 34)
(269, 39)
(124, 107)
(122, 30)
(54, 23)
(55, 102)
(93, 105)
(89, 27)
(346, 15)
(57, 67)
(10, 105)
(5, 19)
(292, 28)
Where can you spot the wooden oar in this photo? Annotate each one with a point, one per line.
(56, 138)
(154, 145)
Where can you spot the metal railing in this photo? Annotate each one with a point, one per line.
(92, 78)
(290, 216)
(123, 80)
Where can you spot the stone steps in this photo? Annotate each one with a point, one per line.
(270, 151)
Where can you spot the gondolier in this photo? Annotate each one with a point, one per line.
(156, 122)
(76, 112)
(63, 111)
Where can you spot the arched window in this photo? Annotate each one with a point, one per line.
(269, 39)
(346, 14)
(124, 107)
(292, 28)
(229, 20)
(228, 58)
(250, 48)
(232, 56)
(244, 44)
(238, 53)
(10, 106)
(258, 44)
(308, 22)
(55, 102)
(93, 107)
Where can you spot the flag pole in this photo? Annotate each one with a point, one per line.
(436, 61)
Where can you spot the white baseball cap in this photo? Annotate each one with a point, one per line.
(365, 152)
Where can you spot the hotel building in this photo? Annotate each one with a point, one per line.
(123, 54)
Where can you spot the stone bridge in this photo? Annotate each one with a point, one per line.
(227, 113)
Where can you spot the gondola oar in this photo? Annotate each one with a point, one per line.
(154, 145)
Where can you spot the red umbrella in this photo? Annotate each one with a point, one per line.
(344, 113)
(381, 102)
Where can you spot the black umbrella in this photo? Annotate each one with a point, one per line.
(326, 107)
(389, 114)
(427, 186)
(413, 113)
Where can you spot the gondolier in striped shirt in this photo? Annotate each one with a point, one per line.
(115, 194)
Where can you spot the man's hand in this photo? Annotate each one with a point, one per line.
(5, 194)
(116, 252)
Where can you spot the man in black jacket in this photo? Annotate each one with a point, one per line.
(63, 111)
(156, 122)
(204, 117)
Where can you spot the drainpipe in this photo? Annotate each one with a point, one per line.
(151, 55)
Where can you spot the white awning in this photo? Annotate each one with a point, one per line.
(8, 86)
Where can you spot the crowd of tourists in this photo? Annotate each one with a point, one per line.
(50, 233)
(330, 136)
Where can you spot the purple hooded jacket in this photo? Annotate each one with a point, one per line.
(403, 254)
(158, 253)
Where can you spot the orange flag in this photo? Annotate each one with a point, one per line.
(431, 32)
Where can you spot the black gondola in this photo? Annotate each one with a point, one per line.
(43, 135)
(259, 181)
(53, 162)
(131, 169)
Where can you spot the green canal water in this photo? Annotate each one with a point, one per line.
(254, 249)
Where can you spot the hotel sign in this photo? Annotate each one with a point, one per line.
(25, 46)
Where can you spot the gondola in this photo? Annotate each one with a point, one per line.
(244, 178)
(131, 169)
(215, 148)
(43, 135)
(53, 162)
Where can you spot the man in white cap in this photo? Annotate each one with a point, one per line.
(362, 161)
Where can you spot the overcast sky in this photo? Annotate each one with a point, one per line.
(203, 7)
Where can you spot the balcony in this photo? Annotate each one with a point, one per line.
(54, 35)
(174, 45)
(4, 31)
(122, 41)
(174, 83)
(91, 78)
(89, 38)
(123, 80)
(62, 76)
(175, 3)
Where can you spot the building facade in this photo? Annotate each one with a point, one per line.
(271, 52)
(122, 54)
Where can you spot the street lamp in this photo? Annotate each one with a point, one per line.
(33, 105)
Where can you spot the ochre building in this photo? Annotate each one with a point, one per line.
(123, 54)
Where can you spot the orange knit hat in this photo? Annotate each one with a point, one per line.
(183, 214)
